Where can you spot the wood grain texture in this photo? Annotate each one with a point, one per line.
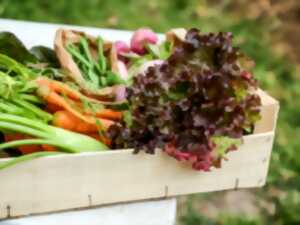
(84, 180)
(269, 113)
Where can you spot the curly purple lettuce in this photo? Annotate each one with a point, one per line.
(196, 106)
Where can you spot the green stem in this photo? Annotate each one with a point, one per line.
(23, 129)
(27, 157)
(93, 78)
(24, 121)
(9, 108)
(72, 50)
(36, 110)
(30, 98)
(101, 57)
(85, 47)
(12, 144)
(15, 66)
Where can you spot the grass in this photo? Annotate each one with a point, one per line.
(254, 34)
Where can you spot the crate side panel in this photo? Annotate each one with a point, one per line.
(269, 113)
(245, 168)
(68, 182)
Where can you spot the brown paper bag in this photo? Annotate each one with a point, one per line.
(63, 37)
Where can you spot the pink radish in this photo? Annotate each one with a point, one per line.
(140, 38)
(121, 47)
(122, 70)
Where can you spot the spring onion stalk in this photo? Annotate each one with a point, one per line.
(34, 109)
(66, 141)
(25, 158)
(30, 98)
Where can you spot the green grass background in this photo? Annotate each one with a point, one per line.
(254, 34)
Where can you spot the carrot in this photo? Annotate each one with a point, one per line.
(52, 108)
(100, 113)
(83, 127)
(65, 119)
(64, 89)
(53, 98)
(59, 87)
(48, 148)
(101, 138)
(12, 137)
(107, 114)
(26, 149)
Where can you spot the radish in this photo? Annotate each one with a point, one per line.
(140, 38)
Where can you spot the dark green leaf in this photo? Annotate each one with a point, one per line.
(11, 46)
(45, 55)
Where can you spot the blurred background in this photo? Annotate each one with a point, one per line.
(269, 32)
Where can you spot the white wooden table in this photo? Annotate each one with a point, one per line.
(160, 212)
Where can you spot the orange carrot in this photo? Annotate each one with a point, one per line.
(59, 87)
(66, 90)
(107, 114)
(101, 113)
(26, 149)
(53, 98)
(83, 127)
(65, 120)
(48, 148)
(101, 138)
(12, 137)
(52, 108)
(68, 121)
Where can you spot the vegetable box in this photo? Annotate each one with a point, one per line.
(65, 182)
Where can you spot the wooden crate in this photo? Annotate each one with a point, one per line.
(84, 180)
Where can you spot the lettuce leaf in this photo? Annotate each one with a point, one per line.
(196, 106)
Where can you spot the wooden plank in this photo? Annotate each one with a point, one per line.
(269, 113)
(84, 180)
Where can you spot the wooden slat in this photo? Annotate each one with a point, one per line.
(269, 113)
(73, 181)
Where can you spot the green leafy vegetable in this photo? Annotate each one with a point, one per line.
(45, 55)
(11, 46)
(17, 90)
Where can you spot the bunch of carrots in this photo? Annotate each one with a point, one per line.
(71, 111)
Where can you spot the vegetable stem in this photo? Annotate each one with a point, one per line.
(101, 57)
(36, 110)
(72, 49)
(12, 144)
(27, 157)
(23, 121)
(30, 98)
(22, 129)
